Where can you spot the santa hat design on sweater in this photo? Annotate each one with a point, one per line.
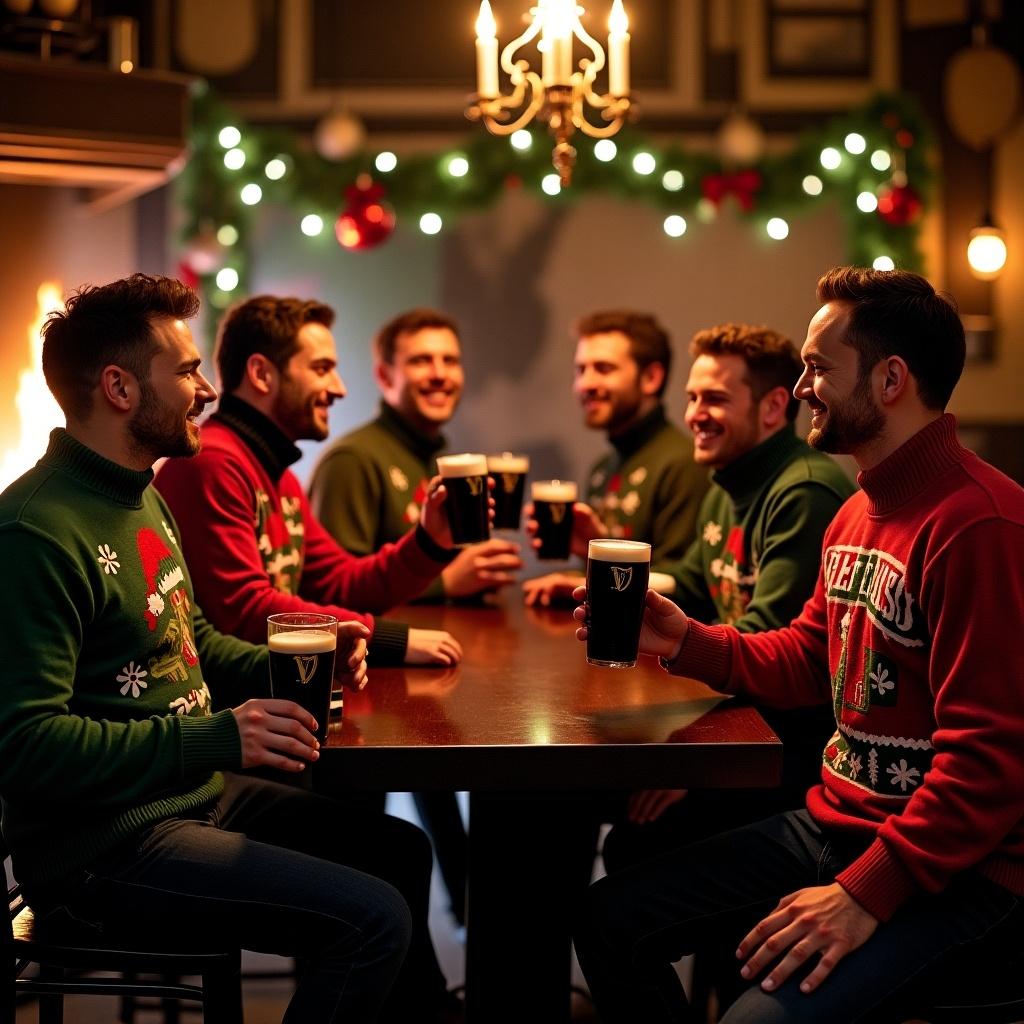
(161, 571)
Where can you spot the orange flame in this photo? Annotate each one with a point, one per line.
(38, 413)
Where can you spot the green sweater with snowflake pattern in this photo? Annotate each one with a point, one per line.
(106, 724)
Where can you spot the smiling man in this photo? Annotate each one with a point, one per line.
(648, 486)
(911, 846)
(369, 486)
(246, 527)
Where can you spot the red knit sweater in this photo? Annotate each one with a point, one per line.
(255, 548)
(917, 619)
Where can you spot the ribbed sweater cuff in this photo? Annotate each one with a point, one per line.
(389, 642)
(705, 654)
(878, 882)
(210, 744)
(432, 549)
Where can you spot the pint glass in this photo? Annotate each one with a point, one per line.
(465, 479)
(509, 472)
(617, 576)
(302, 646)
(552, 508)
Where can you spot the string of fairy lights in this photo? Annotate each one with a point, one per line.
(871, 162)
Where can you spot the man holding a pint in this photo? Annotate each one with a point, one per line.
(121, 803)
(647, 487)
(369, 486)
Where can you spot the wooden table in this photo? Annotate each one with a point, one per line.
(525, 725)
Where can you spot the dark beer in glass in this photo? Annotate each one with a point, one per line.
(302, 646)
(465, 480)
(617, 575)
(509, 472)
(552, 508)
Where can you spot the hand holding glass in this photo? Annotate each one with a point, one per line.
(302, 647)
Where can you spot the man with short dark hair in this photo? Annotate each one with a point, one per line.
(912, 846)
(369, 486)
(246, 525)
(648, 487)
(752, 563)
(116, 716)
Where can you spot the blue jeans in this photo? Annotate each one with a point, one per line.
(279, 870)
(638, 922)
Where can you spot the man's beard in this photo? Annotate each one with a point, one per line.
(295, 414)
(159, 431)
(851, 425)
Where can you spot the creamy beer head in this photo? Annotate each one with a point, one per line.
(553, 490)
(302, 641)
(619, 551)
(468, 464)
(508, 463)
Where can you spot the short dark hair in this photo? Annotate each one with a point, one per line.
(385, 341)
(898, 313)
(108, 324)
(648, 340)
(771, 359)
(265, 324)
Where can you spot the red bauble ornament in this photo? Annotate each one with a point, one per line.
(367, 220)
(899, 205)
(904, 139)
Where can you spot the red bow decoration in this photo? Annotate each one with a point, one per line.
(742, 185)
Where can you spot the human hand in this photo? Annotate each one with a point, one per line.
(664, 629)
(485, 566)
(823, 919)
(648, 805)
(350, 661)
(276, 733)
(586, 526)
(543, 590)
(432, 647)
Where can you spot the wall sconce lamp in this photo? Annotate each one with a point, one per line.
(986, 250)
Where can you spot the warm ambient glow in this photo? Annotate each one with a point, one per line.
(986, 252)
(563, 93)
(38, 413)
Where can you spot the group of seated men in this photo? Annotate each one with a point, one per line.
(865, 625)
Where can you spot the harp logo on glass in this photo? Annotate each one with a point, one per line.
(306, 666)
(621, 577)
(475, 485)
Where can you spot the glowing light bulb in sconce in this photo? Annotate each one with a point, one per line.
(558, 20)
(986, 250)
(486, 52)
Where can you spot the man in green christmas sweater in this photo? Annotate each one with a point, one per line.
(369, 487)
(115, 808)
(648, 487)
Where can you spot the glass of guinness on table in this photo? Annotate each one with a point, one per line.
(509, 472)
(302, 646)
(617, 575)
(552, 508)
(465, 480)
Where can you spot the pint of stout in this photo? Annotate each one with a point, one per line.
(302, 647)
(617, 575)
(509, 472)
(552, 508)
(465, 479)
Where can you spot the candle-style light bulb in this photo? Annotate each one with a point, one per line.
(486, 52)
(618, 50)
(558, 20)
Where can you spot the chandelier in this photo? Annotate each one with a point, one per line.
(558, 96)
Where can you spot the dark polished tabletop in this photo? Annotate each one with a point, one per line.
(524, 710)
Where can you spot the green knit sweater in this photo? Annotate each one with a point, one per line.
(649, 488)
(368, 487)
(106, 723)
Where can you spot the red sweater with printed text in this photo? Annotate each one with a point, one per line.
(256, 549)
(916, 621)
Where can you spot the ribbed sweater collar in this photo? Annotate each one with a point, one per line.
(92, 470)
(274, 452)
(423, 447)
(915, 466)
(632, 440)
(745, 476)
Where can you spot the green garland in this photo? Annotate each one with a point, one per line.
(211, 192)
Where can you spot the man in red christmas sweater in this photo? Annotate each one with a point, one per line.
(254, 546)
(912, 846)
